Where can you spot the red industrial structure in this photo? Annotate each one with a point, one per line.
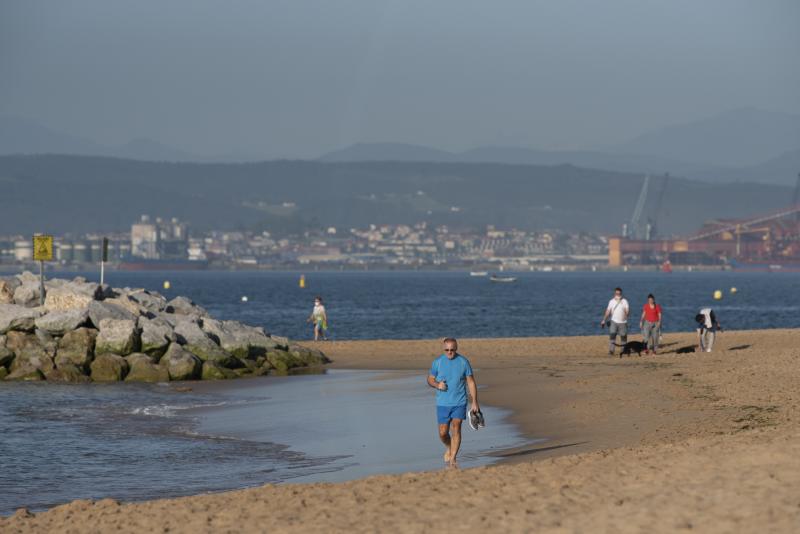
(769, 242)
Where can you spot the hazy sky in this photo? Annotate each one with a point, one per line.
(300, 77)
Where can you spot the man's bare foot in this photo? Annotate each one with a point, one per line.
(453, 464)
(447, 457)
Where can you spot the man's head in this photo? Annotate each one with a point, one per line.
(618, 292)
(700, 318)
(317, 301)
(651, 299)
(450, 347)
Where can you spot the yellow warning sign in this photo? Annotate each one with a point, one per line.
(43, 248)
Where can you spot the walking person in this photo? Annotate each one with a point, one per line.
(320, 319)
(707, 326)
(451, 376)
(650, 324)
(616, 318)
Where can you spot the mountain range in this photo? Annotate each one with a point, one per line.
(742, 145)
(76, 194)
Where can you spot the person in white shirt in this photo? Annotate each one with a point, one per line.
(616, 318)
(320, 319)
(707, 326)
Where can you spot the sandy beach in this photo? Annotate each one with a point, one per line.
(679, 441)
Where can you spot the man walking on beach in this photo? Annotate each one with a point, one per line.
(451, 376)
(707, 326)
(617, 310)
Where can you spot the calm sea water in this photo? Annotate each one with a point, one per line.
(409, 305)
(143, 441)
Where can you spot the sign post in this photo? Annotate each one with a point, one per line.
(103, 260)
(42, 252)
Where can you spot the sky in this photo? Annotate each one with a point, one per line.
(298, 78)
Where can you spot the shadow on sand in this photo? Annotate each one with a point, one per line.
(524, 451)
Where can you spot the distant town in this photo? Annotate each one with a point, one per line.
(170, 244)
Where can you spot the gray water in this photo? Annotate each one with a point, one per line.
(136, 441)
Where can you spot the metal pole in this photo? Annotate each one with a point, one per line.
(41, 282)
(102, 272)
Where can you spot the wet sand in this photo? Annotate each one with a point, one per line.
(678, 441)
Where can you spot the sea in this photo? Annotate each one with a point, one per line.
(144, 441)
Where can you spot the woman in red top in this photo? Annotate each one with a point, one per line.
(650, 324)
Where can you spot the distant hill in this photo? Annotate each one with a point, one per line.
(76, 194)
(742, 137)
(24, 136)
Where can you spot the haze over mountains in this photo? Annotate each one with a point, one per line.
(740, 145)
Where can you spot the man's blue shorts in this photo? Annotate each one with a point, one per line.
(444, 414)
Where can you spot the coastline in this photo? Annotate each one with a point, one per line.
(667, 442)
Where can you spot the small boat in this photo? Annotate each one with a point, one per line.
(478, 273)
(505, 279)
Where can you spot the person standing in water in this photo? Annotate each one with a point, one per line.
(617, 316)
(650, 324)
(451, 376)
(320, 319)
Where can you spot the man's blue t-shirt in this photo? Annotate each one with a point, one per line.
(454, 372)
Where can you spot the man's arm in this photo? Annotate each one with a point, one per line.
(605, 316)
(436, 385)
(472, 387)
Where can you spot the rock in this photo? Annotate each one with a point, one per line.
(27, 373)
(27, 276)
(126, 303)
(214, 371)
(67, 373)
(109, 368)
(156, 336)
(184, 306)
(28, 352)
(149, 300)
(308, 356)
(71, 295)
(61, 322)
(15, 317)
(193, 339)
(47, 341)
(117, 336)
(182, 365)
(238, 339)
(282, 361)
(282, 342)
(108, 309)
(76, 348)
(27, 294)
(3, 373)
(6, 354)
(7, 288)
(144, 369)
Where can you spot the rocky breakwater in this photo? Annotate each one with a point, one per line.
(87, 332)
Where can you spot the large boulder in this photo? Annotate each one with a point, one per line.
(3, 373)
(27, 294)
(214, 371)
(149, 300)
(308, 356)
(126, 303)
(109, 368)
(117, 336)
(67, 373)
(193, 339)
(282, 361)
(241, 340)
(26, 373)
(76, 348)
(185, 306)
(15, 317)
(7, 288)
(29, 352)
(6, 354)
(182, 365)
(156, 336)
(61, 322)
(108, 309)
(144, 369)
(71, 295)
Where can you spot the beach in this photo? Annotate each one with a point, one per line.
(678, 441)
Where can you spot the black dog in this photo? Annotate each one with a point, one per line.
(630, 347)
